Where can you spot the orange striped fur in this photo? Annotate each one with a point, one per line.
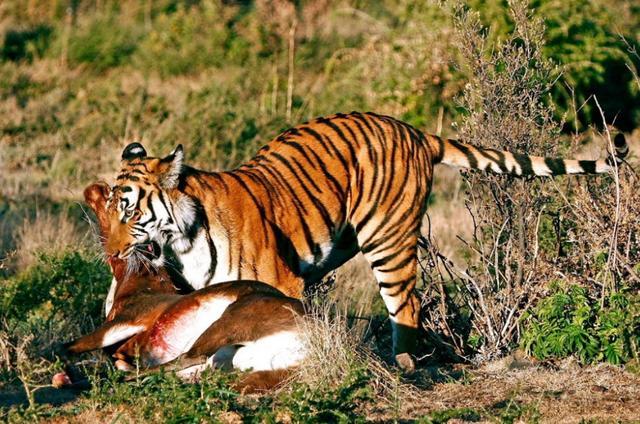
(306, 203)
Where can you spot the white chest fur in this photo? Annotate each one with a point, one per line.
(225, 269)
(197, 261)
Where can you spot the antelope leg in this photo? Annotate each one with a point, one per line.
(107, 334)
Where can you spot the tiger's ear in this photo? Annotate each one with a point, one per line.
(170, 168)
(133, 151)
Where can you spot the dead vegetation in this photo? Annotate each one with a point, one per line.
(526, 233)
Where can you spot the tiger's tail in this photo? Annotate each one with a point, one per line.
(455, 153)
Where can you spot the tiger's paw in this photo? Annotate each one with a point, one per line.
(406, 362)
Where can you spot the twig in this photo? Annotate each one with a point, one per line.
(292, 45)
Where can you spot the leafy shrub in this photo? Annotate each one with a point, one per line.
(504, 110)
(102, 44)
(570, 321)
(69, 283)
(583, 38)
(189, 40)
(26, 44)
(58, 298)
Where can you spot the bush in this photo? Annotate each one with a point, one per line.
(191, 39)
(583, 38)
(503, 109)
(71, 285)
(59, 298)
(103, 43)
(570, 321)
(26, 44)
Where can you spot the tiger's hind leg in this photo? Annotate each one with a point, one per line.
(394, 263)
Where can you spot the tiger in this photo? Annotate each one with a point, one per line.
(306, 203)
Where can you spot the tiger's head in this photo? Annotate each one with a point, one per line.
(146, 210)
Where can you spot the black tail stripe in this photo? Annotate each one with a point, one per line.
(589, 166)
(471, 158)
(556, 166)
(500, 161)
(524, 161)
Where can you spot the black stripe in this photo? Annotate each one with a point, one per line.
(400, 265)
(341, 136)
(311, 244)
(258, 205)
(313, 133)
(394, 238)
(524, 161)
(500, 161)
(556, 166)
(360, 188)
(471, 158)
(403, 283)
(589, 166)
(164, 203)
(141, 193)
(328, 221)
(295, 173)
(319, 164)
(152, 210)
(387, 217)
(373, 156)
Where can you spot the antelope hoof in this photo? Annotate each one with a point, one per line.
(123, 365)
(60, 380)
(406, 362)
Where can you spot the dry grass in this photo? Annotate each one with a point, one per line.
(567, 393)
(336, 349)
(48, 232)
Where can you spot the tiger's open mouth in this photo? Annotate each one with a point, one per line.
(151, 250)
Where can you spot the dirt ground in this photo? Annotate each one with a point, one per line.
(509, 390)
(563, 393)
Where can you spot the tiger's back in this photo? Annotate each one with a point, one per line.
(330, 187)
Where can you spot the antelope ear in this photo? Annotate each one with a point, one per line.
(133, 151)
(96, 196)
(170, 168)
